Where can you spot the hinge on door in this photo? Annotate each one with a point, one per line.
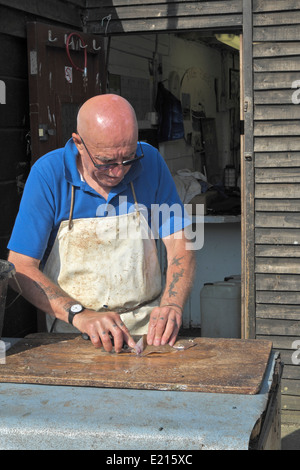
(247, 104)
(242, 127)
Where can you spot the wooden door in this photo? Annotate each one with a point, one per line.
(59, 82)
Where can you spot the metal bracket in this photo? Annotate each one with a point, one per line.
(95, 47)
(45, 132)
(50, 36)
(107, 18)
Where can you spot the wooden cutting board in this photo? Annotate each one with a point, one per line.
(211, 365)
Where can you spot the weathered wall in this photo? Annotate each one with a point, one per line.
(277, 195)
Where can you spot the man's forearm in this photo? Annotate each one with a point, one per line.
(50, 298)
(180, 274)
(39, 290)
(166, 320)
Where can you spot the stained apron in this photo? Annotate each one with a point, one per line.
(107, 264)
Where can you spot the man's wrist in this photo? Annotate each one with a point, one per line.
(172, 304)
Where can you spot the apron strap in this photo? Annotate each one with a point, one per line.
(135, 199)
(71, 208)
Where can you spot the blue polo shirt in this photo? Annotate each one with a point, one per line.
(47, 198)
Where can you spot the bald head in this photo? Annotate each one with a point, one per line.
(108, 120)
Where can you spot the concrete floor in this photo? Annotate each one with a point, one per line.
(290, 437)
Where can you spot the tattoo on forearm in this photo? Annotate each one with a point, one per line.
(39, 287)
(49, 292)
(176, 277)
(176, 261)
(68, 305)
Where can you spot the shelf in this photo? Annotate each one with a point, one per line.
(217, 219)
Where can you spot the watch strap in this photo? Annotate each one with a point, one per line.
(71, 317)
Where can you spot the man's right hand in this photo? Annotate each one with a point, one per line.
(101, 327)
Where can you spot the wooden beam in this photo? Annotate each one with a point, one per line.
(283, 312)
(278, 266)
(273, 112)
(274, 80)
(279, 144)
(276, 33)
(283, 205)
(270, 5)
(281, 282)
(277, 49)
(247, 179)
(277, 175)
(280, 236)
(277, 128)
(275, 159)
(164, 9)
(232, 6)
(175, 23)
(278, 219)
(277, 191)
(280, 19)
(278, 327)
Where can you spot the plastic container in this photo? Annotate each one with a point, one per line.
(7, 270)
(220, 304)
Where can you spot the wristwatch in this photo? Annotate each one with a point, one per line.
(74, 310)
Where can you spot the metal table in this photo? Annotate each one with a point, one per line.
(42, 417)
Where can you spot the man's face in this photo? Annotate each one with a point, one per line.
(103, 163)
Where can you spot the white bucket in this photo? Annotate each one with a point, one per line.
(221, 309)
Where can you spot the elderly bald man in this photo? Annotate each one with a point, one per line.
(83, 243)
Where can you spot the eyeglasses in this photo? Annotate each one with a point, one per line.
(110, 166)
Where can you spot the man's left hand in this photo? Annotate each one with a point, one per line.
(164, 325)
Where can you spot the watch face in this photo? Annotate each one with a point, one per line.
(76, 308)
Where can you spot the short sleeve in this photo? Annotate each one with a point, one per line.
(34, 220)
